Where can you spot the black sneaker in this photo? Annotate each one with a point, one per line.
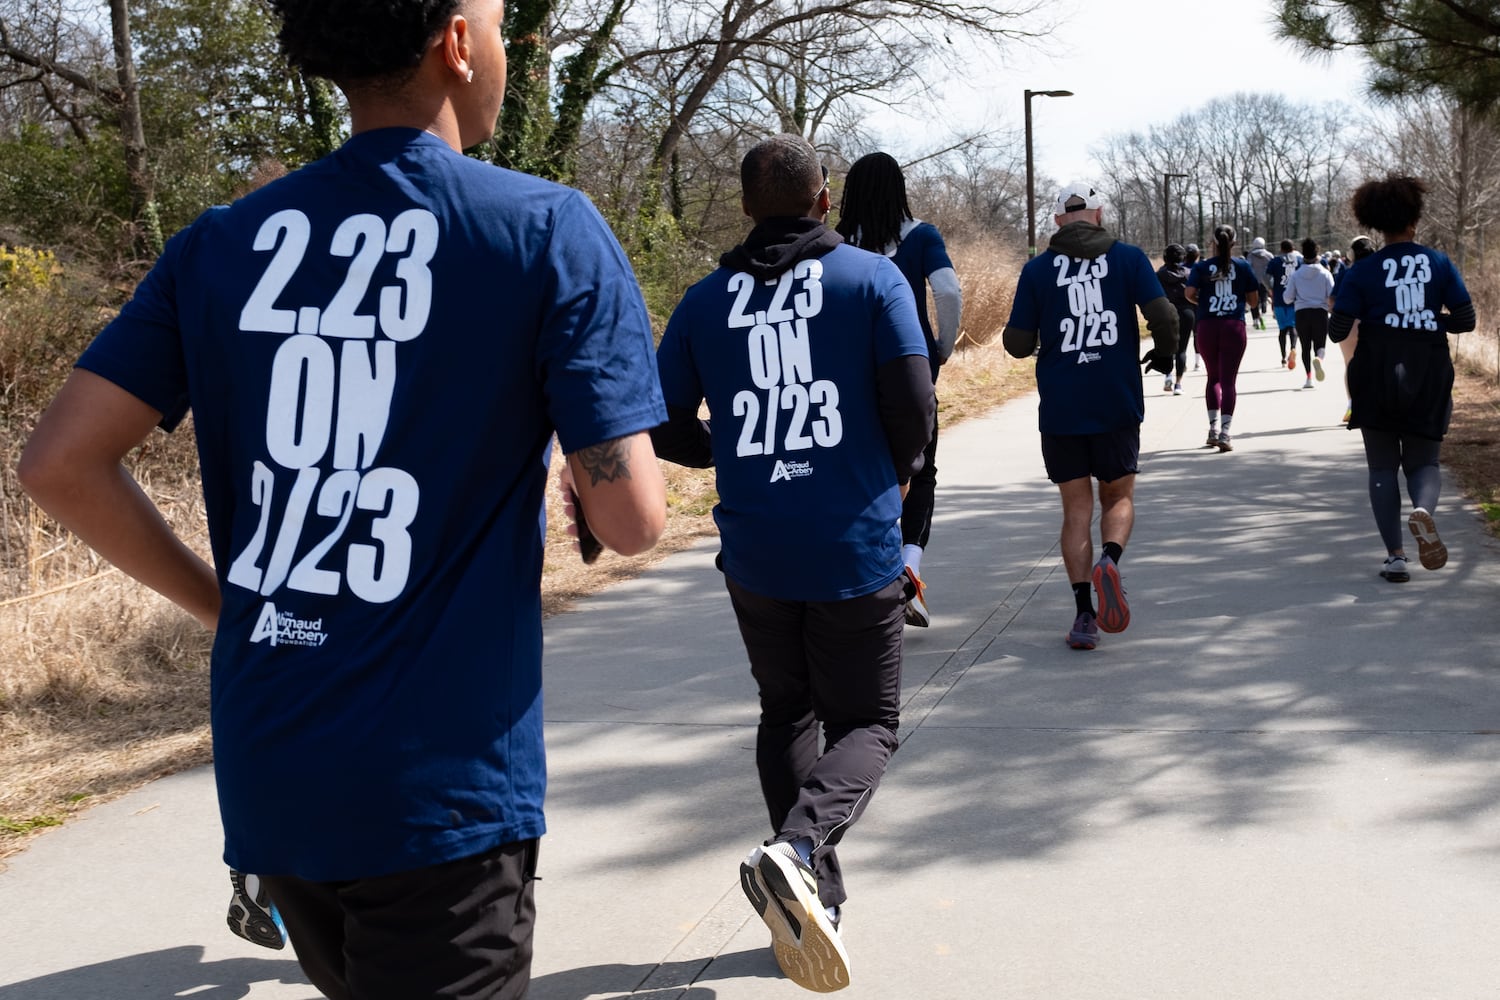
(806, 942)
(252, 915)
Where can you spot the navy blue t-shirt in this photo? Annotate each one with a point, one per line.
(809, 507)
(1403, 286)
(1222, 296)
(918, 254)
(1084, 311)
(376, 351)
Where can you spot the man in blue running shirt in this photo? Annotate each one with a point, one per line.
(1078, 301)
(814, 366)
(377, 351)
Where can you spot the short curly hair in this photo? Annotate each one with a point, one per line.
(358, 41)
(1389, 206)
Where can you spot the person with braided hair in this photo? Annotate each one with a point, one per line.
(874, 215)
(374, 436)
(1220, 287)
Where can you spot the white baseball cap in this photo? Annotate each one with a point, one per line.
(1076, 197)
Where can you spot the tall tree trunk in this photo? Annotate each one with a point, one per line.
(148, 235)
(322, 114)
(581, 80)
(520, 142)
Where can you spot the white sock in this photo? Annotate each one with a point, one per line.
(912, 556)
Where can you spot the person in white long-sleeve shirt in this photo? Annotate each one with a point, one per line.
(1309, 291)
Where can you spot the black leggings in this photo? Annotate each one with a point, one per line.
(1186, 318)
(1417, 457)
(1312, 331)
(916, 509)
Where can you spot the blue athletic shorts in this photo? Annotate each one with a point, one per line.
(1286, 317)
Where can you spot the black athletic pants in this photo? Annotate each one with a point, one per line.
(460, 930)
(916, 509)
(837, 663)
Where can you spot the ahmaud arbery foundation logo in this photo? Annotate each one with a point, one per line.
(283, 628)
(790, 470)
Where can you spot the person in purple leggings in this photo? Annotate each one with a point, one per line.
(1220, 287)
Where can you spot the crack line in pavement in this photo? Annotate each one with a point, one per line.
(926, 698)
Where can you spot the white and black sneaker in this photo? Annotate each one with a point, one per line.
(252, 915)
(1394, 569)
(917, 612)
(805, 940)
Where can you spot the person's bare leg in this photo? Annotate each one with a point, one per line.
(1116, 518)
(1117, 510)
(1076, 540)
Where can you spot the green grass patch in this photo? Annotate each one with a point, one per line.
(8, 825)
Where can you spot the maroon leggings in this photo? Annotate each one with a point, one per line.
(1221, 341)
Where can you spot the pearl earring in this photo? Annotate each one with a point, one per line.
(471, 76)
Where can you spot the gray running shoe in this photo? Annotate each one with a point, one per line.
(1431, 551)
(1395, 570)
(1223, 444)
(1085, 632)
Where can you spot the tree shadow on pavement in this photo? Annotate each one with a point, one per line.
(1259, 623)
(169, 973)
(687, 980)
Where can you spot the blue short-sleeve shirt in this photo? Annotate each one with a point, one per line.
(377, 350)
(1222, 295)
(809, 506)
(1084, 311)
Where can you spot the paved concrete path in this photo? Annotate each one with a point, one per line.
(1281, 782)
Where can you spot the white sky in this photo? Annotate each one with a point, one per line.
(1130, 64)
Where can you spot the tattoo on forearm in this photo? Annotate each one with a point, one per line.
(606, 461)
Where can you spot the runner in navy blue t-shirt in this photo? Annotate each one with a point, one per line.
(1078, 302)
(1279, 270)
(1406, 299)
(813, 362)
(1220, 287)
(377, 351)
(874, 215)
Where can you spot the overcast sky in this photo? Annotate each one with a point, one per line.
(1131, 64)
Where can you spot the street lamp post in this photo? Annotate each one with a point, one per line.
(1030, 177)
(1166, 207)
